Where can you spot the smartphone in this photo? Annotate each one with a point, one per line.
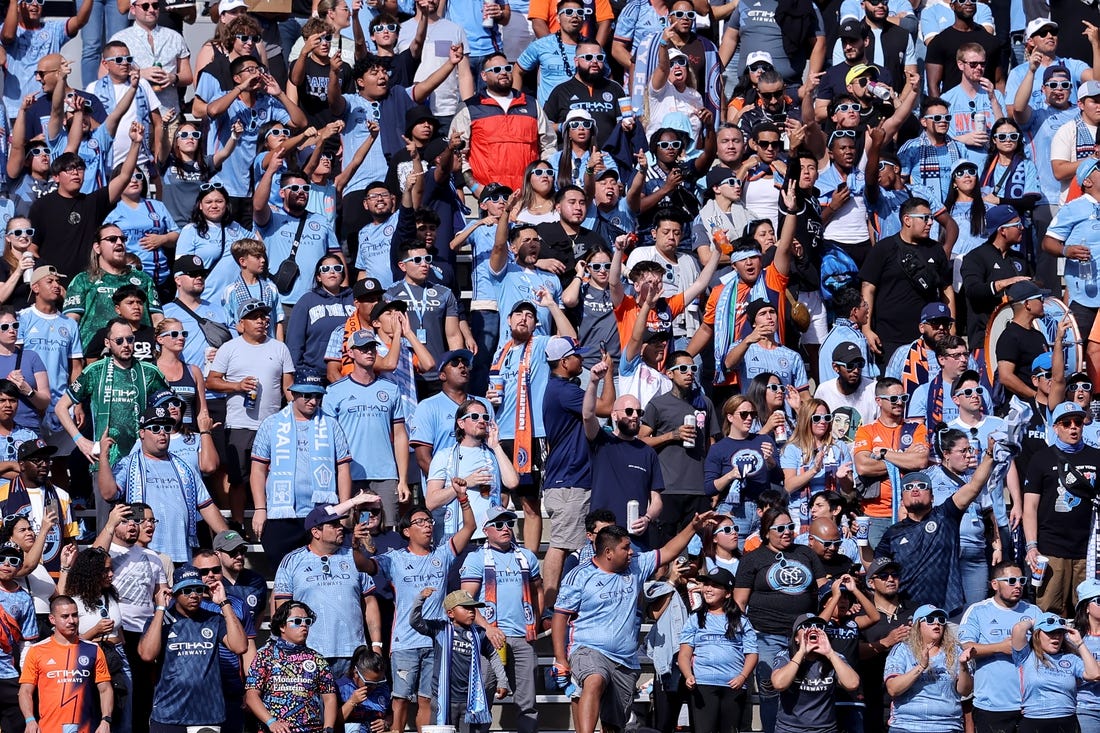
(603, 347)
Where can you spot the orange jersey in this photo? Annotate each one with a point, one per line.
(871, 437)
(775, 283)
(547, 10)
(65, 677)
(661, 317)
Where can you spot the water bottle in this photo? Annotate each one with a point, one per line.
(1086, 273)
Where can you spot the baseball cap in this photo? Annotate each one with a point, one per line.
(850, 29)
(494, 189)
(1025, 290)
(927, 610)
(999, 215)
(1042, 361)
(44, 271)
(1088, 89)
(187, 577)
(497, 513)
(560, 347)
(1050, 623)
(322, 514)
(188, 265)
(251, 307)
(719, 577)
(363, 337)
(718, 174)
(675, 53)
(807, 619)
(935, 312)
(368, 287)
(880, 564)
(524, 305)
(227, 5)
(1053, 69)
(847, 352)
(453, 354)
(34, 447)
(458, 598)
(1088, 590)
(859, 70)
(164, 397)
(609, 171)
(156, 415)
(1038, 24)
(1084, 168)
(1066, 408)
(914, 476)
(579, 114)
(390, 305)
(759, 57)
(228, 540)
(308, 381)
(659, 334)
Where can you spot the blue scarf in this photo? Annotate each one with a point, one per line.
(725, 317)
(105, 92)
(185, 479)
(477, 706)
(284, 464)
(1068, 447)
(645, 60)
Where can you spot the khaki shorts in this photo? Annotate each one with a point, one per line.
(567, 508)
(620, 684)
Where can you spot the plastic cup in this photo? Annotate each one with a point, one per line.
(626, 106)
(1041, 562)
(863, 531)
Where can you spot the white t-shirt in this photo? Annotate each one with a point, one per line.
(445, 100)
(863, 400)
(122, 134)
(1063, 146)
(667, 101)
(138, 572)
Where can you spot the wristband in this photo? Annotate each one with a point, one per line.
(160, 608)
(464, 501)
(376, 643)
(224, 603)
(66, 568)
(269, 721)
(205, 432)
(1031, 546)
(29, 720)
(260, 509)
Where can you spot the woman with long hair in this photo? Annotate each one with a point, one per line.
(967, 208)
(186, 380)
(717, 656)
(928, 675)
(741, 465)
(745, 91)
(812, 460)
(235, 35)
(576, 162)
(211, 235)
(151, 232)
(1009, 176)
(33, 576)
(537, 195)
(307, 334)
(666, 178)
(1087, 623)
(1053, 664)
(590, 291)
(766, 393)
(720, 546)
(184, 166)
(20, 257)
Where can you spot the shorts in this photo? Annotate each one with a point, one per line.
(530, 484)
(386, 490)
(567, 508)
(238, 454)
(619, 690)
(216, 408)
(413, 670)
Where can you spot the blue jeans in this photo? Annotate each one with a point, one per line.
(878, 527)
(1089, 720)
(290, 30)
(975, 573)
(767, 646)
(485, 326)
(104, 22)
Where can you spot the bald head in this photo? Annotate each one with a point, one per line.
(47, 69)
(626, 413)
(626, 401)
(824, 528)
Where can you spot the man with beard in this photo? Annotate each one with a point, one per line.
(986, 627)
(1058, 512)
(553, 54)
(385, 229)
(520, 278)
(502, 140)
(927, 159)
(432, 426)
(850, 388)
(588, 89)
(942, 73)
(566, 240)
(926, 542)
(852, 41)
(624, 468)
(824, 539)
(973, 95)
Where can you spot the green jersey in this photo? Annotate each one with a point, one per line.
(118, 397)
(92, 300)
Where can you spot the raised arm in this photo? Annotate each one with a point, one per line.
(117, 184)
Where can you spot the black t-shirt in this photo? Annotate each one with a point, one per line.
(313, 91)
(780, 589)
(1020, 346)
(898, 300)
(600, 101)
(566, 248)
(1065, 519)
(946, 44)
(807, 705)
(839, 565)
(833, 83)
(928, 553)
(981, 267)
(402, 68)
(622, 470)
(65, 227)
(21, 294)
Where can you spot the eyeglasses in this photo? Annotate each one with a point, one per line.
(970, 392)
(592, 56)
(1081, 387)
(817, 419)
(936, 619)
(542, 171)
(580, 124)
(120, 340)
(212, 185)
(252, 70)
(849, 107)
(634, 411)
(894, 399)
(175, 334)
(299, 621)
(917, 486)
(684, 368)
(774, 387)
(728, 529)
(599, 266)
(502, 524)
(278, 132)
(193, 590)
(1006, 137)
(956, 355)
(669, 145)
(570, 12)
(476, 417)
(1059, 85)
(119, 59)
(203, 572)
(967, 449)
(158, 429)
(938, 117)
(770, 143)
(11, 561)
(828, 543)
(419, 259)
(391, 27)
(114, 238)
(963, 172)
(781, 528)
(29, 232)
(975, 64)
(689, 14)
(852, 365)
(297, 187)
(1011, 579)
(245, 38)
(326, 269)
(1071, 422)
(502, 69)
(38, 151)
(423, 522)
(746, 414)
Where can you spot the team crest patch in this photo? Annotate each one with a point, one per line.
(208, 633)
(931, 527)
(83, 660)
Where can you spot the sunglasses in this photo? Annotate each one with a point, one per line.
(476, 417)
(781, 528)
(849, 107)
(114, 238)
(11, 561)
(1011, 579)
(211, 186)
(746, 414)
(592, 56)
(778, 94)
(33, 2)
(542, 171)
(852, 365)
(883, 163)
(599, 266)
(571, 12)
(817, 419)
(299, 621)
(895, 399)
(1059, 85)
(326, 269)
(842, 133)
(670, 145)
(189, 135)
(419, 260)
(193, 590)
(689, 14)
(684, 368)
(1006, 137)
(119, 59)
(174, 334)
(967, 171)
(245, 38)
(391, 27)
(38, 151)
(137, 176)
(1041, 373)
(770, 143)
(936, 619)
(917, 486)
(158, 429)
(297, 188)
(938, 117)
(278, 132)
(147, 6)
(1071, 422)
(970, 392)
(975, 64)
(886, 574)
(728, 529)
(203, 572)
(501, 69)
(774, 387)
(759, 66)
(502, 524)
(730, 182)
(827, 543)
(1075, 387)
(119, 341)
(632, 411)
(580, 124)
(29, 232)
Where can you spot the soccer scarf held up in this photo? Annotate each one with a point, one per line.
(525, 431)
(284, 463)
(490, 590)
(477, 706)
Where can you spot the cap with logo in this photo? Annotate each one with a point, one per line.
(157, 415)
(999, 215)
(935, 312)
(164, 397)
(880, 564)
(718, 175)
(43, 271)
(859, 70)
(493, 190)
(388, 305)
(1088, 590)
(367, 289)
(1043, 362)
(850, 30)
(1050, 623)
(524, 305)
(363, 337)
(308, 381)
(560, 347)
(916, 476)
(1025, 290)
(1066, 408)
(719, 577)
(189, 265)
(36, 447)
(187, 577)
(450, 356)
(228, 540)
(1054, 69)
(927, 610)
(759, 57)
(322, 514)
(1038, 24)
(1088, 89)
(498, 513)
(846, 353)
(1085, 168)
